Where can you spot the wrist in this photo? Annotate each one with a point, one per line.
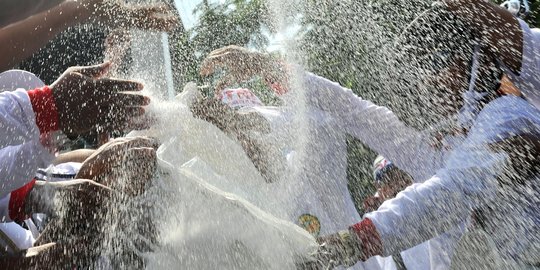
(44, 106)
(19, 205)
(368, 238)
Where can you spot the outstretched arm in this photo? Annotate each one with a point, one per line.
(12, 11)
(498, 153)
(376, 126)
(21, 39)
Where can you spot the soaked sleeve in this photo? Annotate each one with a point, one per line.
(21, 150)
(469, 179)
(19, 164)
(376, 126)
(17, 119)
(426, 210)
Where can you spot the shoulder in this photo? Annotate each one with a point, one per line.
(504, 117)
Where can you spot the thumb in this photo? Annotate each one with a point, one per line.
(95, 71)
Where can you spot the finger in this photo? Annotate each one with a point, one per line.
(208, 67)
(86, 183)
(123, 113)
(109, 86)
(227, 80)
(224, 60)
(136, 142)
(128, 99)
(143, 163)
(94, 71)
(155, 23)
(116, 118)
(148, 153)
(141, 123)
(226, 49)
(143, 142)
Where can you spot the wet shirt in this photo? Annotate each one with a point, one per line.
(469, 181)
(411, 151)
(317, 172)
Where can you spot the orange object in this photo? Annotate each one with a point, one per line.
(508, 88)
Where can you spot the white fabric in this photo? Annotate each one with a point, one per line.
(14, 79)
(377, 127)
(60, 172)
(382, 131)
(18, 164)
(215, 209)
(18, 161)
(324, 163)
(14, 238)
(24, 238)
(469, 181)
(21, 150)
(17, 122)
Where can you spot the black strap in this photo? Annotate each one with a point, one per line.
(400, 264)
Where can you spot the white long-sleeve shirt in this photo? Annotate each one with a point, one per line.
(376, 126)
(469, 181)
(331, 112)
(21, 149)
(408, 148)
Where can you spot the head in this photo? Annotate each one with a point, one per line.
(434, 57)
(389, 180)
(518, 8)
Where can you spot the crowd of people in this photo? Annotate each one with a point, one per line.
(36, 118)
(473, 182)
(465, 197)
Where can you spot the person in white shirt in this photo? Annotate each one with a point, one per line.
(394, 227)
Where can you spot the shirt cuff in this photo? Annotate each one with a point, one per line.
(17, 202)
(369, 238)
(45, 109)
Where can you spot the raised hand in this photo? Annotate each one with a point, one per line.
(85, 100)
(241, 64)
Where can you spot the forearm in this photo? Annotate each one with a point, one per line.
(441, 203)
(73, 156)
(20, 40)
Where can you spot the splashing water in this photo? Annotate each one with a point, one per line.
(214, 209)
